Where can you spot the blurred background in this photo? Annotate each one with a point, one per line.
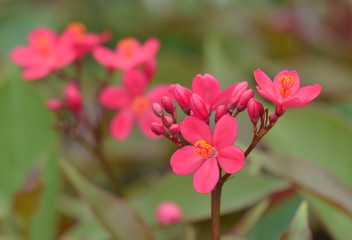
(228, 39)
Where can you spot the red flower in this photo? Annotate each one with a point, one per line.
(129, 54)
(83, 42)
(133, 104)
(285, 91)
(46, 52)
(208, 150)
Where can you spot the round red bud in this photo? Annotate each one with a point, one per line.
(157, 128)
(245, 97)
(54, 104)
(158, 110)
(255, 110)
(167, 104)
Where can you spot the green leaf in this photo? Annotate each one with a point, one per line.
(321, 137)
(111, 212)
(299, 228)
(238, 193)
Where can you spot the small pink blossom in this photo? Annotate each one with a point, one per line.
(168, 213)
(129, 54)
(46, 52)
(82, 41)
(285, 91)
(73, 97)
(54, 104)
(133, 104)
(207, 152)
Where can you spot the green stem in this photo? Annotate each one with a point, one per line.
(215, 210)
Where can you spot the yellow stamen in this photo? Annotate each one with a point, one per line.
(287, 82)
(127, 46)
(140, 105)
(42, 44)
(78, 29)
(203, 148)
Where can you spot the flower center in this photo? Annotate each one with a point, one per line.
(140, 105)
(287, 82)
(42, 44)
(205, 149)
(78, 29)
(127, 47)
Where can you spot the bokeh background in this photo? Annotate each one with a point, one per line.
(228, 39)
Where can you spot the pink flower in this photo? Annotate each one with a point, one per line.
(285, 91)
(46, 52)
(168, 213)
(129, 54)
(82, 41)
(133, 104)
(207, 151)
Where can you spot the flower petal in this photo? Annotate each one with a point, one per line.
(231, 159)
(42, 33)
(24, 56)
(105, 56)
(296, 82)
(156, 93)
(150, 48)
(134, 81)
(304, 96)
(36, 73)
(207, 87)
(193, 129)
(264, 82)
(225, 132)
(145, 122)
(207, 176)
(185, 161)
(114, 98)
(121, 124)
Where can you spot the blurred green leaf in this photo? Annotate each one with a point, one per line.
(238, 193)
(111, 211)
(299, 228)
(321, 137)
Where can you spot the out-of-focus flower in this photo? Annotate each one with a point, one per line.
(168, 213)
(46, 52)
(207, 151)
(133, 104)
(54, 104)
(82, 41)
(129, 54)
(285, 91)
(73, 97)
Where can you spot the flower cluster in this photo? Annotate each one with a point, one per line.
(212, 152)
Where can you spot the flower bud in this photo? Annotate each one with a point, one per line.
(237, 92)
(167, 104)
(157, 128)
(198, 107)
(174, 128)
(73, 97)
(220, 112)
(169, 119)
(255, 110)
(279, 111)
(168, 213)
(182, 96)
(150, 69)
(273, 117)
(245, 97)
(54, 104)
(158, 110)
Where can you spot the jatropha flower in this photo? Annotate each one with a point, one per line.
(168, 213)
(46, 52)
(129, 54)
(133, 104)
(208, 151)
(285, 91)
(82, 41)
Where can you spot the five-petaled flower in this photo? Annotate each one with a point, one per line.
(285, 91)
(207, 152)
(46, 52)
(133, 104)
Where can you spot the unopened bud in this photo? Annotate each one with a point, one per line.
(174, 128)
(167, 104)
(182, 96)
(158, 110)
(255, 110)
(245, 97)
(73, 97)
(279, 111)
(168, 213)
(150, 69)
(198, 107)
(273, 117)
(54, 104)
(237, 92)
(220, 112)
(169, 120)
(157, 128)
